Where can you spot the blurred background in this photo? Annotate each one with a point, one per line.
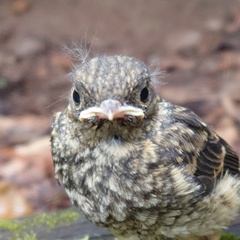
(195, 44)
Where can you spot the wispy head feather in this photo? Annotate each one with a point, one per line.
(78, 52)
(155, 71)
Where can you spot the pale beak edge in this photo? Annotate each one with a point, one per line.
(110, 114)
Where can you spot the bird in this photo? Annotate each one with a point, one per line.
(137, 164)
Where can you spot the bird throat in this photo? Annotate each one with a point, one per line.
(116, 131)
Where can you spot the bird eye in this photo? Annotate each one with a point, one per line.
(76, 97)
(144, 94)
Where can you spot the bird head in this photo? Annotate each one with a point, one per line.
(111, 94)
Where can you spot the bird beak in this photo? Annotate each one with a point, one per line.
(109, 110)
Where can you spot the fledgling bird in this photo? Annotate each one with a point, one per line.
(137, 164)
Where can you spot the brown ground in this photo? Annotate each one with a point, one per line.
(195, 43)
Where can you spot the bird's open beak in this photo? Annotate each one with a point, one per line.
(110, 110)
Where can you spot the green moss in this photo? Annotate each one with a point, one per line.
(25, 236)
(10, 225)
(54, 219)
(23, 229)
(3, 83)
(85, 238)
(229, 236)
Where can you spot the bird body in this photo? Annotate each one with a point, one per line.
(137, 164)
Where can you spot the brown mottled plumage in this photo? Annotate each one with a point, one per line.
(137, 164)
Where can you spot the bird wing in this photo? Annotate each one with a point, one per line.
(209, 155)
